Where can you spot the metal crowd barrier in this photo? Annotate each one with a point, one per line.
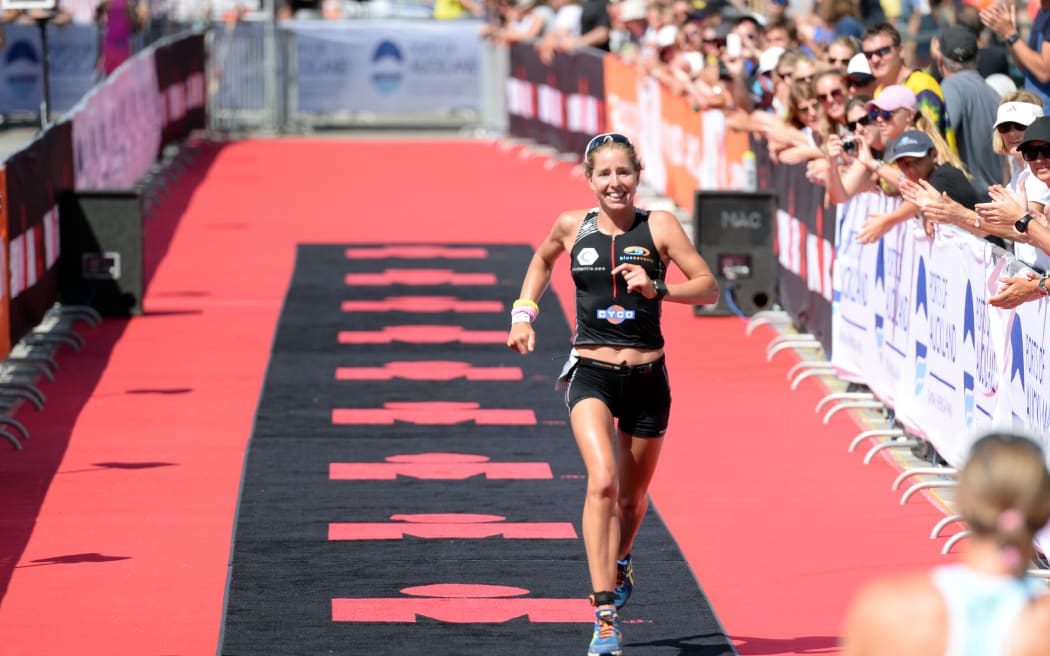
(303, 75)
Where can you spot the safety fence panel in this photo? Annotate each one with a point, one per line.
(72, 55)
(804, 245)
(117, 127)
(154, 98)
(246, 77)
(561, 105)
(36, 177)
(110, 139)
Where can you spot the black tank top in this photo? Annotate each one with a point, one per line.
(606, 314)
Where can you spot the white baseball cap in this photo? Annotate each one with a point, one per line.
(767, 61)
(1017, 112)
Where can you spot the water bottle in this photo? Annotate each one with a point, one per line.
(750, 171)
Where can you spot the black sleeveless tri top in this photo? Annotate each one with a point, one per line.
(606, 314)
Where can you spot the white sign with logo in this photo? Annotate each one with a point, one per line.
(72, 52)
(387, 66)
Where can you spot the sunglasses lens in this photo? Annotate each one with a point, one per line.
(1033, 153)
(1007, 127)
(602, 139)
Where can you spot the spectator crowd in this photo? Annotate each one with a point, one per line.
(940, 105)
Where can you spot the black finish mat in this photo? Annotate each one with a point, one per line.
(412, 486)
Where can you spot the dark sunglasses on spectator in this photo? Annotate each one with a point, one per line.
(884, 114)
(881, 52)
(1003, 128)
(863, 120)
(715, 42)
(608, 137)
(837, 94)
(843, 62)
(805, 80)
(1032, 153)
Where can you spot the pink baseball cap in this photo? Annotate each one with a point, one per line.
(895, 96)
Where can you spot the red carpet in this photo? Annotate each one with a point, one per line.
(126, 547)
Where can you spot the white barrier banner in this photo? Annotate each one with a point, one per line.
(117, 128)
(72, 54)
(911, 320)
(387, 66)
(1024, 394)
(952, 397)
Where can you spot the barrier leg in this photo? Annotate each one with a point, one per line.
(926, 485)
(892, 444)
(924, 471)
(940, 526)
(878, 432)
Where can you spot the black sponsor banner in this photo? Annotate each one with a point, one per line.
(804, 254)
(561, 105)
(37, 176)
(180, 82)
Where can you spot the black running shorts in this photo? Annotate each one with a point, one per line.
(639, 396)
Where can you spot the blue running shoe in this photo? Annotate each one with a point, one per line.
(607, 638)
(624, 581)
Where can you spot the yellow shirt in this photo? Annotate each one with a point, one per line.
(448, 9)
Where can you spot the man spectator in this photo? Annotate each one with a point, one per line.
(1030, 56)
(915, 155)
(971, 105)
(591, 28)
(882, 48)
(859, 80)
(631, 25)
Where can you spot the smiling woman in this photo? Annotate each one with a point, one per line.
(619, 258)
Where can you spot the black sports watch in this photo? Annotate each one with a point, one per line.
(1043, 291)
(1012, 39)
(1022, 223)
(661, 289)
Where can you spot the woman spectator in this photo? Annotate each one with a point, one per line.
(840, 51)
(799, 139)
(984, 604)
(857, 151)
(831, 93)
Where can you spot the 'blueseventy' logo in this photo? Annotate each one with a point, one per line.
(21, 68)
(920, 347)
(387, 66)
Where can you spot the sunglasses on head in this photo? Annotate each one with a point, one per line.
(837, 94)
(863, 120)
(1003, 128)
(1032, 153)
(876, 113)
(880, 52)
(606, 138)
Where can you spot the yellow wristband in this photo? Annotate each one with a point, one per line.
(524, 302)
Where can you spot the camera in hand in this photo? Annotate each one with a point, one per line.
(849, 144)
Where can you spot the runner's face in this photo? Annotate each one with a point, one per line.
(614, 179)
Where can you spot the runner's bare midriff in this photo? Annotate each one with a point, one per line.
(619, 354)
